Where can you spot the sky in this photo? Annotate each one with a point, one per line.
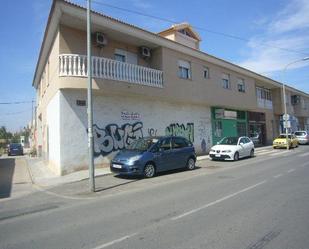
(273, 33)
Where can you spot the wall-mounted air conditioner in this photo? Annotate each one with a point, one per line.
(100, 39)
(145, 52)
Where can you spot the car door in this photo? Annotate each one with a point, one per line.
(179, 150)
(164, 155)
(249, 146)
(242, 147)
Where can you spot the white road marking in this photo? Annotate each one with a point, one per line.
(280, 153)
(304, 154)
(217, 201)
(266, 152)
(277, 176)
(115, 241)
(291, 170)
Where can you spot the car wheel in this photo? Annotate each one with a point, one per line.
(191, 164)
(149, 170)
(252, 153)
(236, 156)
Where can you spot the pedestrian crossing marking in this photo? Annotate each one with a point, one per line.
(304, 154)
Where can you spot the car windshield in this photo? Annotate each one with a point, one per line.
(229, 141)
(300, 133)
(15, 146)
(284, 136)
(142, 144)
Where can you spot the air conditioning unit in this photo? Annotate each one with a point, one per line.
(295, 99)
(145, 52)
(100, 39)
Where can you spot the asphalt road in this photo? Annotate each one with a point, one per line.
(255, 203)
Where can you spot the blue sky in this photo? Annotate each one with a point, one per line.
(274, 23)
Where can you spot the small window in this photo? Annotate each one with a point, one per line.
(226, 81)
(206, 73)
(166, 144)
(184, 69)
(179, 143)
(120, 55)
(241, 85)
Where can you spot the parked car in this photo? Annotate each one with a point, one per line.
(15, 149)
(150, 155)
(302, 136)
(282, 142)
(232, 148)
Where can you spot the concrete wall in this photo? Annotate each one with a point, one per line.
(53, 147)
(120, 119)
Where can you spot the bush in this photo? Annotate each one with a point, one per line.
(33, 152)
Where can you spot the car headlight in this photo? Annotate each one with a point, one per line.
(212, 150)
(134, 159)
(226, 151)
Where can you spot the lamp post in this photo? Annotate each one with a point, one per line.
(285, 118)
(89, 100)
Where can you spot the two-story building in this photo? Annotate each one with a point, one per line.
(145, 84)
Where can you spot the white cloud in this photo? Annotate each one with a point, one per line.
(294, 16)
(283, 31)
(269, 58)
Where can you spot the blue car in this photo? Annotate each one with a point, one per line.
(15, 149)
(150, 155)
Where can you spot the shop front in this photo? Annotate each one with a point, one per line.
(257, 128)
(227, 122)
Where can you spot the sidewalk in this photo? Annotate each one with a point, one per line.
(41, 175)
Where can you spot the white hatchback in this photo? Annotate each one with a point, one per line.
(232, 148)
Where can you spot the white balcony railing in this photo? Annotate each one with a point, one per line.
(264, 103)
(75, 65)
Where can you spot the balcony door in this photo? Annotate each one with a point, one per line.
(125, 56)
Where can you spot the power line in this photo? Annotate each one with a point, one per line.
(200, 28)
(14, 113)
(15, 103)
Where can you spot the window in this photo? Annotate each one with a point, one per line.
(226, 81)
(206, 73)
(166, 144)
(120, 55)
(184, 69)
(241, 85)
(241, 128)
(179, 143)
(242, 140)
(263, 93)
(218, 128)
(184, 32)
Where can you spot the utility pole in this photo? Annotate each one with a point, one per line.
(285, 118)
(89, 100)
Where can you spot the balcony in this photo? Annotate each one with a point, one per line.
(74, 65)
(264, 103)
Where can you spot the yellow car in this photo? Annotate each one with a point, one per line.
(281, 141)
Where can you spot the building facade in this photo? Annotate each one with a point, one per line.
(145, 84)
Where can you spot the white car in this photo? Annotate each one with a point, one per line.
(232, 148)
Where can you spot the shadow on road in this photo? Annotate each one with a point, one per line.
(7, 167)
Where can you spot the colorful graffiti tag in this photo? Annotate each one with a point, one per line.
(114, 138)
(176, 129)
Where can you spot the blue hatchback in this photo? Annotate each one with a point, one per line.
(150, 155)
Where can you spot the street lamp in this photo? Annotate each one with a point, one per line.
(285, 118)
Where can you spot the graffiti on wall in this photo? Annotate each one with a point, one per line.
(203, 130)
(114, 137)
(176, 129)
(152, 132)
(125, 115)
